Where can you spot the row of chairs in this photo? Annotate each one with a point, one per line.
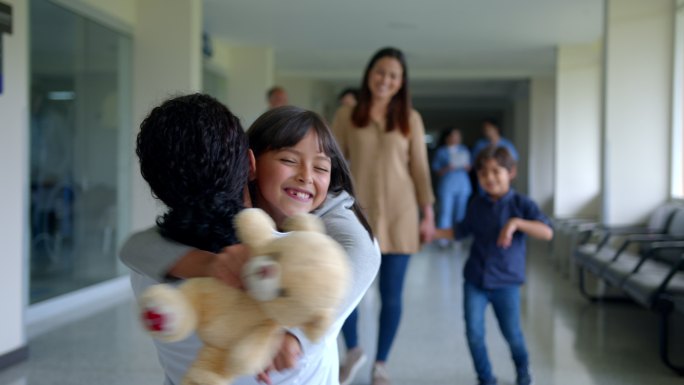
(646, 263)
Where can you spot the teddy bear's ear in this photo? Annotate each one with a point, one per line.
(316, 328)
(304, 222)
(254, 227)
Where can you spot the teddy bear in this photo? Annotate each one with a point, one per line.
(293, 280)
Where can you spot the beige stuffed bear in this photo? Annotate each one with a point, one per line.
(296, 279)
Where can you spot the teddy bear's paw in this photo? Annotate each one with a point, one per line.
(166, 314)
(196, 376)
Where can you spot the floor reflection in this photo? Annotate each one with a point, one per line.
(571, 341)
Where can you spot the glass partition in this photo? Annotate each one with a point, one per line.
(80, 150)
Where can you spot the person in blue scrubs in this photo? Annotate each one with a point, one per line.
(492, 137)
(452, 163)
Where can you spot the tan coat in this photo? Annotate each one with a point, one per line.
(391, 177)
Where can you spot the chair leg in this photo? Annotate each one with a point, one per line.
(665, 310)
(582, 286)
(593, 297)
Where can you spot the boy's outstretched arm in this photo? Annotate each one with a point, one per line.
(444, 234)
(533, 228)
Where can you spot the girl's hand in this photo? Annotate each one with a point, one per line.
(506, 234)
(264, 376)
(289, 353)
(287, 358)
(227, 265)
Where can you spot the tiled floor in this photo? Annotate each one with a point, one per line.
(571, 341)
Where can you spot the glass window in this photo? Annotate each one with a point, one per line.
(79, 149)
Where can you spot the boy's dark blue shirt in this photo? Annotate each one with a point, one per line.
(490, 266)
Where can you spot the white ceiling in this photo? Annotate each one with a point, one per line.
(443, 39)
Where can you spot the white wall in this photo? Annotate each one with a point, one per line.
(14, 174)
(677, 148)
(577, 165)
(167, 60)
(520, 133)
(251, 75)
(311, 94)
(638, 81)
(541, 139)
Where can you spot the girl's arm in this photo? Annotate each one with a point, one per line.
(533, 228)
(224, 266)
(150, 254)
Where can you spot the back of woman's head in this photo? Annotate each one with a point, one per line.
(193, 154)
(286, 126)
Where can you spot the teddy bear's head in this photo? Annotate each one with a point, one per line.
(300, 276)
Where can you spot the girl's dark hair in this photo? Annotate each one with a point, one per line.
(193, 153)
(400, 105)
(501, 155)
(285, 127)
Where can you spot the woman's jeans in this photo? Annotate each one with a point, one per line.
(506, 304)
(391, 279)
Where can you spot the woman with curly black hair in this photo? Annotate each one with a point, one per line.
(193, 153)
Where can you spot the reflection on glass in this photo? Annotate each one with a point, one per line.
(79, 84)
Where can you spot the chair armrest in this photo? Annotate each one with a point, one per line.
(624, 230)
(662, 246)
(675, 268)
(648, 238)
(665, 245)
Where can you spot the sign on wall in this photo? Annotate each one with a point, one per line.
(5, 27)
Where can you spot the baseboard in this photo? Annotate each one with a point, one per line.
(13, 357)
(53, 313)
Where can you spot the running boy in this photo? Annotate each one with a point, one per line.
(499, 221)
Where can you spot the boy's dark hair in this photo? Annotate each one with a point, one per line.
(501, 155)
(193, 154)
(284, 127)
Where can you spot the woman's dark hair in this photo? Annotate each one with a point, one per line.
(501, 155)
(400, 105)
(286, 126)
(193, 153)
(445, 134)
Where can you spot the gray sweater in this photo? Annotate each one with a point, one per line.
(150, 256)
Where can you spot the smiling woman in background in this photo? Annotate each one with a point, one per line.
(383, 139)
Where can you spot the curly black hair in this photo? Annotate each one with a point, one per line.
(193, 153)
